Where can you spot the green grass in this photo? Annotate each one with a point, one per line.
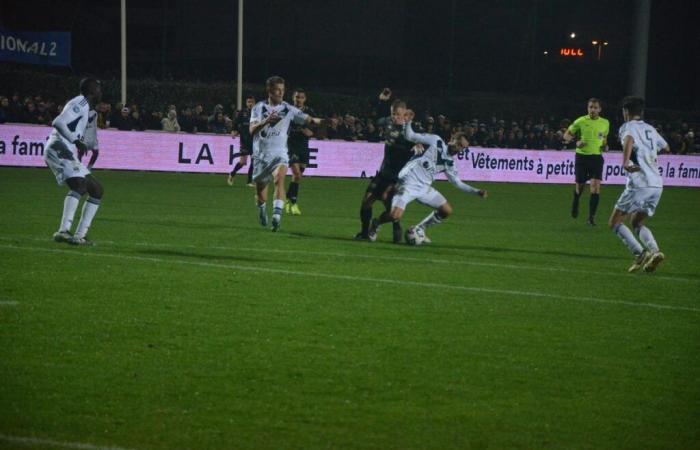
(187, 326)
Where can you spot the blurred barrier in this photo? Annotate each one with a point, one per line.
(23, 146)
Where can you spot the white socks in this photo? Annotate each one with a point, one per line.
(70, 205)
(628, 239)
(647, 239)
(89, 210)
(277, 207)
(431, 220)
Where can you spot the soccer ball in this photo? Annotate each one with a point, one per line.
(415, 236)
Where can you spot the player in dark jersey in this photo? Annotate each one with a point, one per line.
(298, 145)
(241, 126)
(397, 152)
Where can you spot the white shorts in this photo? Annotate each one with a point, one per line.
(63, 162)
(424, 194)
(640, 199)
(265, 165)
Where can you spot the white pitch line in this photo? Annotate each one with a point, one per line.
(357, 278)
(50, 442)
(8, 303)
(413, 259)
(615, 274)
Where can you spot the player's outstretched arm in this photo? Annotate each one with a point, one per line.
(464, 187)
(412, 136)
(314, 120)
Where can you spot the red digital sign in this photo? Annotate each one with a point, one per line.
(575, 52)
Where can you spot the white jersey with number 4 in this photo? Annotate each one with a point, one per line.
(70, 125)
(647, 144)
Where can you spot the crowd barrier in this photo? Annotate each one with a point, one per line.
(23, 146)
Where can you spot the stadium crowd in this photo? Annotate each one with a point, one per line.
(523, 133)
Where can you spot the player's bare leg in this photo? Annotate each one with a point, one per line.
(617, 225)
(646, 237)
(278, 205)
(594, 200)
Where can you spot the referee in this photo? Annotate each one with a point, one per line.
(591, 134)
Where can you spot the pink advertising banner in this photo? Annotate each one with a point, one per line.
(23, 145)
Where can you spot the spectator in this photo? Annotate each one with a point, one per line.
(4, 109)
(201, 121)
(137, 120)
(104, 112)
(43, 116)
(30, 112)
(218, 125)
(170, 123)
(153, 120)
(371, 132)
(186, 120)
(123, 120)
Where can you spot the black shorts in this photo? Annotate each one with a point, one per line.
(588, 167)
(298, 154)
(378, 185)
(245, 151)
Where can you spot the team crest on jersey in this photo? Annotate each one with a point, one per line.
(600, 135)
(76, 109)
(394, 134)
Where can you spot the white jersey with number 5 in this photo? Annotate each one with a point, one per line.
(647, 143)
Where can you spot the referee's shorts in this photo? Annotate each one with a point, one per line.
(588, 167)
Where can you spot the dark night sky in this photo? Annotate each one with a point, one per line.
(497, 45)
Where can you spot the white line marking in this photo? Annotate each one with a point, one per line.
(414, 259)
(52, 443)
(8, 303)
(615, 274)
(356, 278)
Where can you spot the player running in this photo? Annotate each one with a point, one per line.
(242, 127)
(298, 153)
(417, 177)
(591, 132)
(640, 145)
(397, 152)
(65, 142)
(269, 126)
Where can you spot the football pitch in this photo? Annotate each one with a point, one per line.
(188, 326)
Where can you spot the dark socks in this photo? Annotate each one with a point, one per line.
(293, 192)
(593, 205)
(365, 217)
(574, 204)
(236, 168)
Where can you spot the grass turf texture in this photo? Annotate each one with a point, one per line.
(188, 326)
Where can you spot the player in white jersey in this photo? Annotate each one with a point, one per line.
(90, 140)
(417, 176)
(640, 145)
(269, 126)
(61, 155)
